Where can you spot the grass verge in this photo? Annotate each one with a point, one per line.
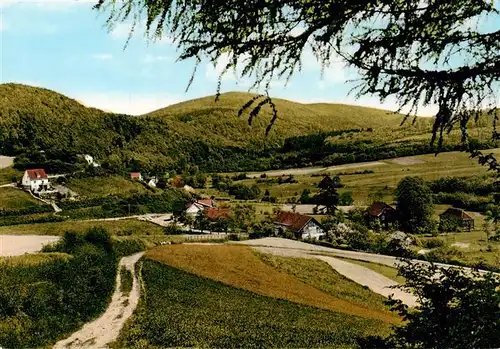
(390, 272)
(185, 310)
(320, 275)
(127, 280)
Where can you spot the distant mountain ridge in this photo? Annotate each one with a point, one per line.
(201, 131)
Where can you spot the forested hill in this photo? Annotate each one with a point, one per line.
(219, 121)
(203, 133)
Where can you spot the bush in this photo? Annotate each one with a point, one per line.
(243, 192)
(42, 303)
(433, 243)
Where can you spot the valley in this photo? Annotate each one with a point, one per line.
(204, 196)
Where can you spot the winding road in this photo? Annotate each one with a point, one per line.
(104, 330)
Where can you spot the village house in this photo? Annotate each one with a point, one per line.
(90, 160)
(302, 226)
(136, 175)
(35, 180)
(383, 213)
(194, 208)
(152, 182)
(463, 219)
(215, 214)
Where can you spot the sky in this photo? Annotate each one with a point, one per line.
(64, 46)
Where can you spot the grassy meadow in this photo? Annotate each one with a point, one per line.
(119, 227)
(384, 178)
(94, 187)
(9, 175)
(16, 199)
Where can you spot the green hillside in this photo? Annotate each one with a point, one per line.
(219, 122)
(205, 133)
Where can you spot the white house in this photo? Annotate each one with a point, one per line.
(301, 226)
(197, 206)
(153, 181)
(90, 160)
(35, 180)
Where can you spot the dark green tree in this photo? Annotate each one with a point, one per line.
(328, 195)
(414, 203)
(458, 308)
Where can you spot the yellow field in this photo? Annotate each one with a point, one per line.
(239, 267)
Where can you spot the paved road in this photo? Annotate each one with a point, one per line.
(15, 245)
(104, 330)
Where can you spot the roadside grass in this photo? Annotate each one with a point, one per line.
(390, 272)
(184, 310)
(119, 227)
(16, 199)
(320, 275)
(33, 259)
(9, 175)
(127, 280)
(104, 186)
(239, 267)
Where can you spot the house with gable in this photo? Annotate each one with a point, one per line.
(463, 219)
(195, 207)
(302, 226)
(383, 213)
(35, 180)
(136, 176)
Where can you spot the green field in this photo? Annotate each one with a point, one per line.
(185, 310)
(16, 199)
(9, 175)
(103, 186)
(120, 227)
(385, 177)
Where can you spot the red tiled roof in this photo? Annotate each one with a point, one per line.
(206, 202)
(457, 212)
(217, 213)
(292, 220)
(135, 175)
(378, 207)
(37, 174)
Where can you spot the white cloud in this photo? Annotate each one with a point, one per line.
(103, 56)
(132, 104)
(153, 59)
(121, 31)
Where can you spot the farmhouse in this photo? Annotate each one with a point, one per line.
(136, 175)
(198, 206)
(464, 220)
(382, 212)
(90, 160)
(301, 226)
(35, 180)
(216, 214)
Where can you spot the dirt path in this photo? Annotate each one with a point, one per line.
(104, 330)
(373, 280)
(309, 170)
(16, 245)
(357, 273)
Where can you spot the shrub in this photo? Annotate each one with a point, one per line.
(433, 243)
